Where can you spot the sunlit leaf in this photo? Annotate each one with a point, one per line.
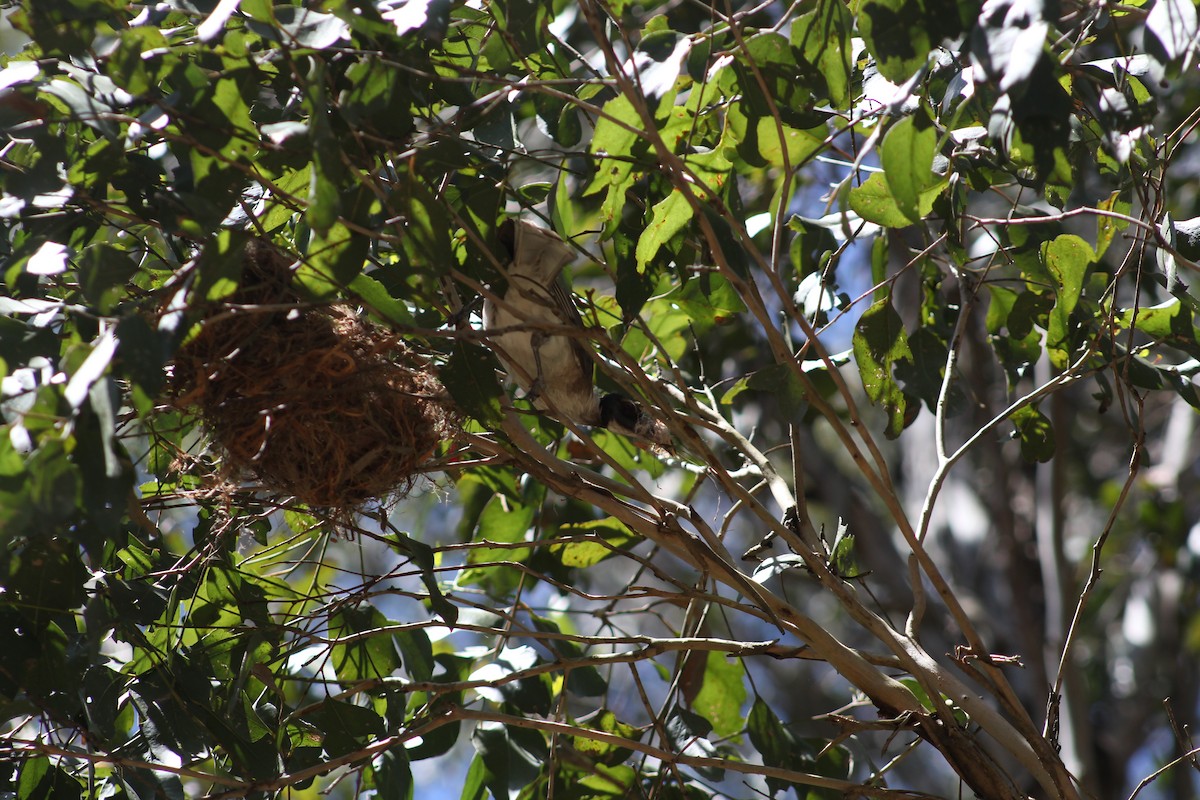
(592, 542)
(502, 530)
(823, 36)
(880, 341)
(1173, 27)
(39, 779)
(907, 155)
(781, 145)
(901, 33)
(668, 218)
(1068, 259)
(874, 202)
(722, 694)
(1009, 42)
(364, 651)
(1036, 434)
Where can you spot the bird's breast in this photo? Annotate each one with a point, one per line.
(544, 363)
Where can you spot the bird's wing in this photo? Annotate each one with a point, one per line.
(566, 305)
(539, 256)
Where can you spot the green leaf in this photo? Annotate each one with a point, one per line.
(1068, 259)
(423, 556)
(781, 382)
(923, 377)
(378, 98)
(906, 155)
(569, 130)
(504, 523)
(417, 653)
(617, 134)
(329, 173)
(336, 253)
(601, 539)
(883, 27)
(1108, 227)
(628, 454)
(667, 323)
(1172, 27)
(1011, 320)
(773, 741)
(393, 775)
(1036, 131)
(668, 217)
(901, 34)
(287, 192)
(780, 748)
(780, 145)
(129, 65)
(427, 226)
(103, 691)
(618, 128)
(513, 756)
(442, 739)
(831, 761)
(842, 560)
(616, 781)
(39, 779)
(568, 210)
(346, 727)
(166, 723)
(605, 752)
(104, 272)
(775, 82)
(237, 128)
(219, 267)
(365, 652)
(879, 343)
(476, 780)
(688, 733)
(709, 300)
(1170, 322)
(1036, 434)
(141, 354)
(525, 23)
(873, 202)
(634, 286)
(470, 377)
(722, 694)
(377, 299)
(585, 681)
(501, 522)
(824, 37)
(45, 576)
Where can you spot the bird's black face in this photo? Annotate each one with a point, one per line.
(506, 235)
(621, 415)
(619, 412)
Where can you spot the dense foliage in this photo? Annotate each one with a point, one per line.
(909, 281)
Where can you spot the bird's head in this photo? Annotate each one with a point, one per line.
(624, 416)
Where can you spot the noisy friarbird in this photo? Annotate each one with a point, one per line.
(528, 324)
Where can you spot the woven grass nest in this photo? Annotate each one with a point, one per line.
(313, 401)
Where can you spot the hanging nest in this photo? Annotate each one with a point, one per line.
(314, 402)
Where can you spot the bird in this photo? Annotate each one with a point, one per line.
(526, 325)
